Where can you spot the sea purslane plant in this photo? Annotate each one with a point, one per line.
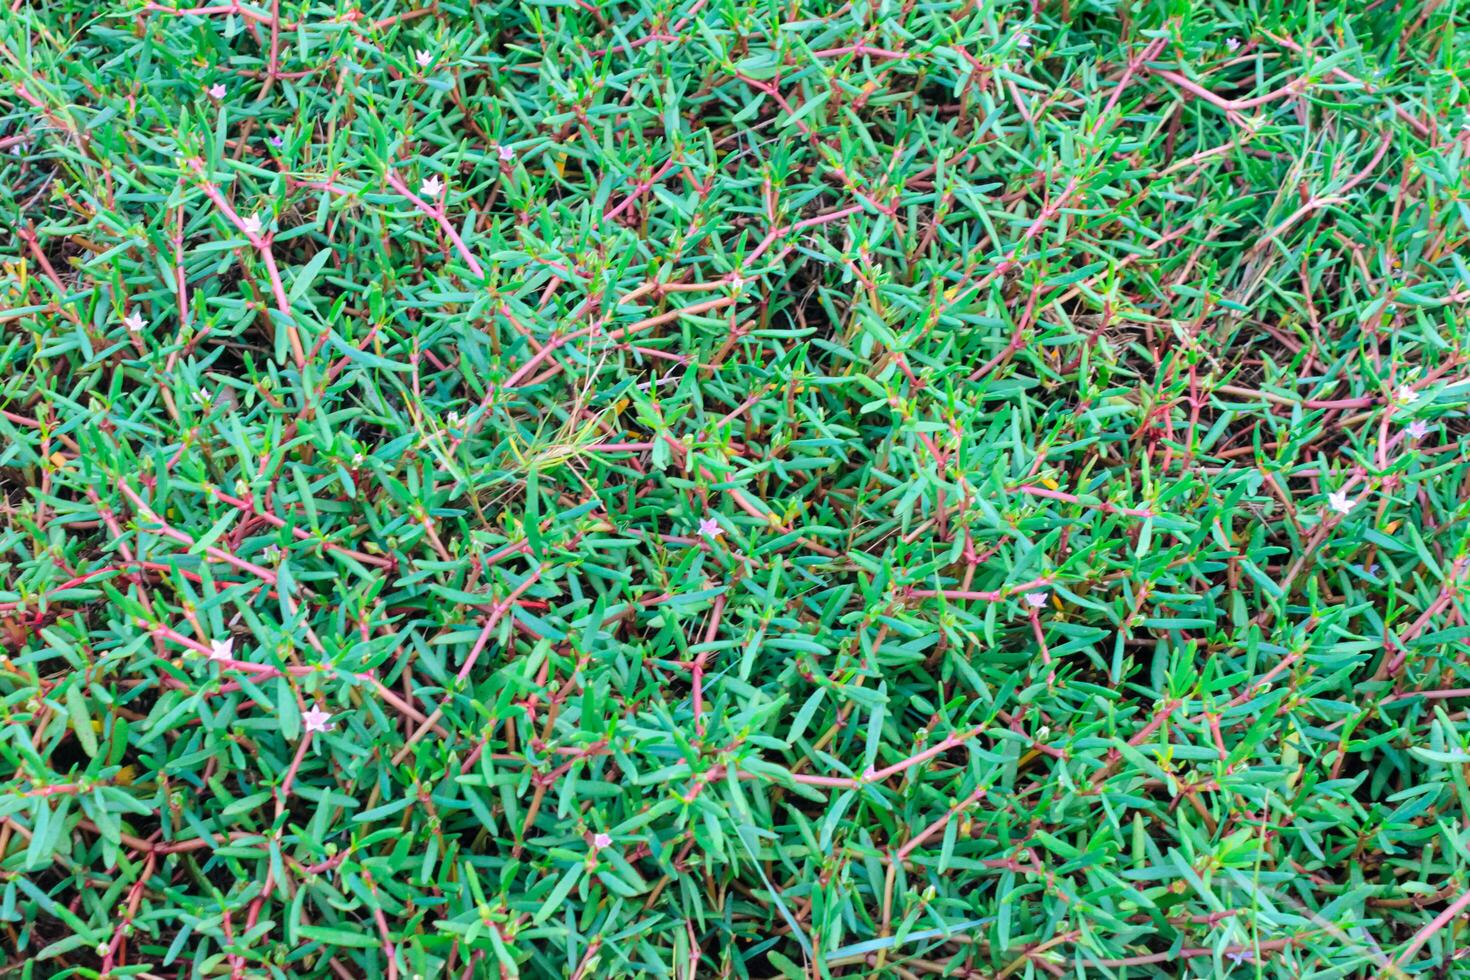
(733, 488)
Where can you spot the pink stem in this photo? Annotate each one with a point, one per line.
(163, 528)
(1103, 506)
(1434, 925)
(438, 215)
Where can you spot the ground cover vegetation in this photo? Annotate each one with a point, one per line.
(744, 488)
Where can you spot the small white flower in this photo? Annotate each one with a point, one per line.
(271, 553)
(202, 396)
(736, 282)
(316, 719)
(1231, 43)
(1406, 395)
(454, 419)
(217, 90)
(1035, 599)
(221, 650)
(424, 58)
(1339, 502)
(600, 841)
(710, 528)
(1024, 41)
(1418, 429)
(1043, 733)
(432, 186)
(358, 459)
(507, 153)
(134, 322)
(252, 225)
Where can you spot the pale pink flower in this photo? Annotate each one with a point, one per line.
(217, 90)
(221, 650)
(1339, 502)
(1024, 41)
(1231, 43)
(710, 528)
(252, 225)
(134, 322)
(1035, 599)
(202, 396)
(1418, 429)
(507, 153)
(1406, 395)
(600, 841)
(276, 141)
(432, 186)
(424, 58)
(316, 719)
(736, 282)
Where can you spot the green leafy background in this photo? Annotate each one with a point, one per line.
(1154, 313)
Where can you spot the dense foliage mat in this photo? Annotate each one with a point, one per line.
(696, 488)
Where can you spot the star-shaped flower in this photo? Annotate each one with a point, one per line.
(507, 153)
(432, 186)
(600, 841)
(1024, 41)
(134, 322)
(710, 528)
(1418, 429)
(276, 141)
(1406, 395)
(221, 650)
(217, 90)
(736, 282)
(316, 719)
(252, 225)
(1339, 502)
(202, 396)
(1231, 43)
(271, 553)
(1035, 599)
(423, 58)
(358, 459)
